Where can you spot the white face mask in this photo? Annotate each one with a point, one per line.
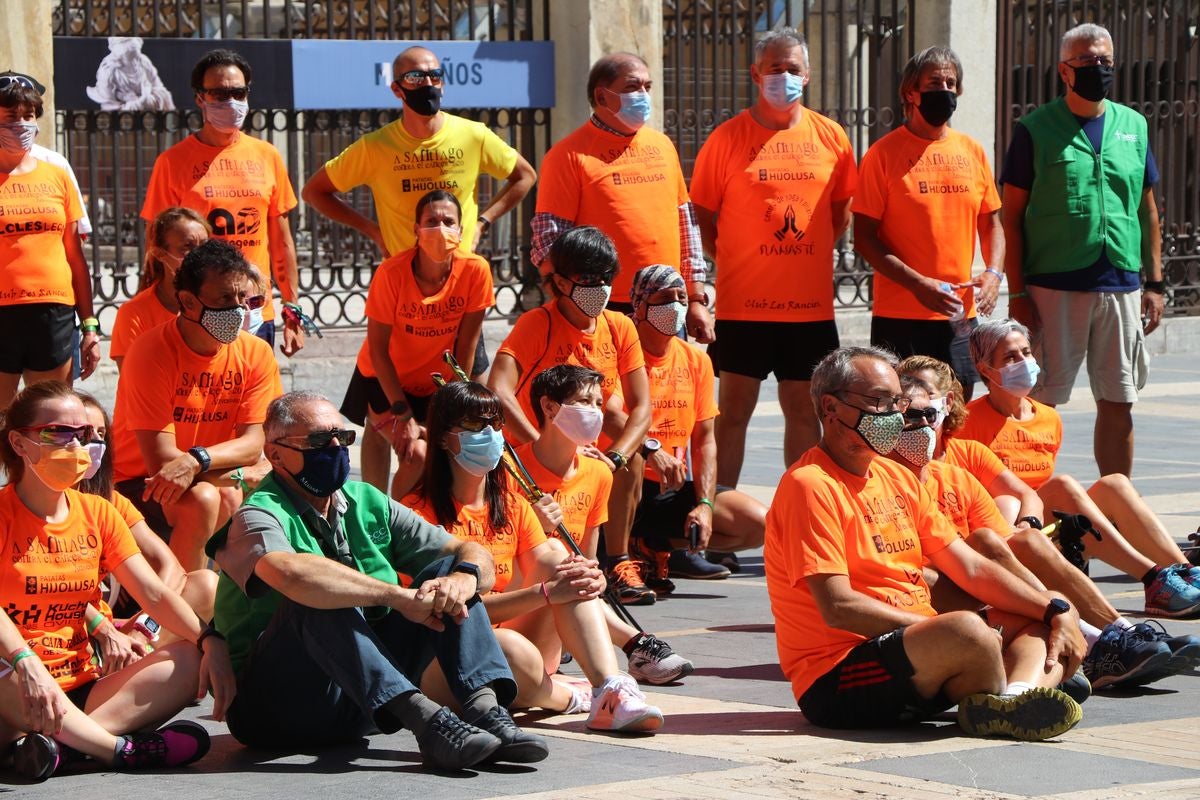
(253, 320)
(1019, 379)
(667, 318)
(96, 453)
(580, 424)
(939, 405)
(17, 137)
(228, 116)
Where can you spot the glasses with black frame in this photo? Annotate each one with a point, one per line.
(479, 423)
(918, 416)
(880, 405)
(602, 279)
(415, 77)
(223, 94)
(60, 435)
(319, 440)
(1090, 61)
(255, 302)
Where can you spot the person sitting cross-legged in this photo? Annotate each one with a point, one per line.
(847, 534)
(327, 645)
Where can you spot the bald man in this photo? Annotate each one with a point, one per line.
(425, 149)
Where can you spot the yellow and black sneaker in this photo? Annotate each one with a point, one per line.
(1032, 716)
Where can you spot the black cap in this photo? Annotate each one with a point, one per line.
(37, 87)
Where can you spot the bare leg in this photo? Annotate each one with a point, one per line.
(408, 472)
(992, 546)
(1115, 496)
(535, 689)
(1025, 650)
(1038, 553)
(79, 731)
(375, 459)
(801, 428)
(194, 517)
(737, 395)
(622, 503)
(149, 692)
(1064, 493)
(956, 654)
(1112, 440)
(739, 522)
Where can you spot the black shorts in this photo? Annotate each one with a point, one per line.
(870, 688)
(79, 695)
(660, 518)
(36, 336)
(156, 519)
(928, 337)
(791, 350)
(363, 391)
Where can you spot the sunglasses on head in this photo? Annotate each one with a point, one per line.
(414, 76)
(17, 80)
(476, 425)
(61, 435)
(223, 95)
(318, 440)
(918, 415)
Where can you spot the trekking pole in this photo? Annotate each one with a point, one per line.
(1067, 532)
(512, 463)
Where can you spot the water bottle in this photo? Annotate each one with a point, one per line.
(958, 320)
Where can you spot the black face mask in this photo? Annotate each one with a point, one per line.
(1093, 83)
(938, 106)
(325, 470)
(425, 100)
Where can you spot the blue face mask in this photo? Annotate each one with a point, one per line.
(325, 470)
(1019, 379)
(783, 89)
(479, 451)
(635, 108)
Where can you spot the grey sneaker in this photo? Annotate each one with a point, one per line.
(1032, 716)
(449, 743)
(517, 746)
(653, 661)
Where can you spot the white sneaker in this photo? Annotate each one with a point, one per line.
(619, 705)
(653, 661)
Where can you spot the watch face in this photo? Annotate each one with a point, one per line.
(151, 625)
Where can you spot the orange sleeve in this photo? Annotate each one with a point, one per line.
(991, 198)
(708, 173)
(982, 511)
(870, 199)
(283, 197)
(117, 543)
(629, 348)
(814, 514)
(558, 184)
(525, 522)
(160, 193)
(480, 293)
(986, 466)
(384, 291)
(122, 335)
(127, 510)
(845, 182)
(147, 388)
(529, 340)
(935, 530)
(263, 382)
(72, 204)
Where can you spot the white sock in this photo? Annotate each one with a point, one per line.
(1124, 623)
(1018, 687)
(1090, 633)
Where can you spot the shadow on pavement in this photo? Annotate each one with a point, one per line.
(748, 672)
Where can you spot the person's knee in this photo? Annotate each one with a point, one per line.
(989, 544)
(201, 498)
(968, 634)
(1030, 545)
(1114, 485)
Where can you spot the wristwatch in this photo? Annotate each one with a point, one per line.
(698, 298)
(485, 225)
(1034, 522)
(148, 626)
(202, 457)
(650, 447)
(1054, 608)
(401, 409)
(468, 568)
(618, 459)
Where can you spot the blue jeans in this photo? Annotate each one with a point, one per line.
(318, 677)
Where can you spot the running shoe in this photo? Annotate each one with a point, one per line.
(625, 576)
(1118, 658)
(1077, 687)
(653, 661)
(685, 564)
(1170, 595)
(1185, 650)
(173, 745)
(516, 746)
(654, 564)
(36, 757)
(620, 706)
(1032, 716)
(449, 743)
(727, 560)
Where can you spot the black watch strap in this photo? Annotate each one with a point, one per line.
(1054, 608)
(1034, 522)
(202, 457)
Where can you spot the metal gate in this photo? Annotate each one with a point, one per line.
(1157, 52)
(856, 49)
(113, 151)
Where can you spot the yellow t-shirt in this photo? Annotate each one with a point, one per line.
(400, 170)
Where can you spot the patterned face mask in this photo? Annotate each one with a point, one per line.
(880, 430)
(916, 446)
(223, 324)
(591, 300)
(666, 318)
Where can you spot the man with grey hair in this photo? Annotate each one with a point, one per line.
(925, 194)
(327, 644)
(846, 537)
(1082, 226)
(772, 189)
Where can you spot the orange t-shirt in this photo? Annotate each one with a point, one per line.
(50, 571)
(524, 532)
(166, 386)
(630, 187)
(975, 458)
(876, 530)
(928, 197)
(238, 188)
(1028, 448)
(423, 327)
(583, 497)
(135, 316)
(773, 193)
(964, 501)
(681, 395)
(544, 338)
(35, 211)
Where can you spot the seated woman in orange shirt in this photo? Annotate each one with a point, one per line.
(541, 593)
(1026, 435)
(421, 303)
(174, 233)
(53, 703)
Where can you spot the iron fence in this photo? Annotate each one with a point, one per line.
(856, 53)
(1157, 56)
(114, 151)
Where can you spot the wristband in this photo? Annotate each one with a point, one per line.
(707, 502)
(1158, 287)
(485, 225)
(212, 631)
(21, 656)
(1015, 295)
(546, 593)
(995, 272)
(95, 623)
(91, 324)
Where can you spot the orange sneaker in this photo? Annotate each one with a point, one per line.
(626, 577)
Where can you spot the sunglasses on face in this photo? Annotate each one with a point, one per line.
(1090, 61)
(476, 425)
(256, 302)
(223, 95)
(60, 435)
(414, 77)
(604, 279)
(318, 440)
(915, 416)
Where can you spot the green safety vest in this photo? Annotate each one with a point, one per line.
(367, 527)
(1082, 201)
